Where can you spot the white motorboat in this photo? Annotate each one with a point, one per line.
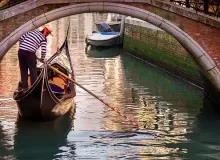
(106, 36)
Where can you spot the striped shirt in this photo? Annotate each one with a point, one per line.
(32, 40)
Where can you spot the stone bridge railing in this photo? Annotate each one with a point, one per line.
(210, 7)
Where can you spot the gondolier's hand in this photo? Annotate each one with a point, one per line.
(42, 59)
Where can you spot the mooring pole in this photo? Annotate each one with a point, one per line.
(187, 4)
(122, 30)
(206, 6)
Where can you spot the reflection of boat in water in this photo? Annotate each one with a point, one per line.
(51, 95)
(42, 140)
(103, 52)
(4, 146)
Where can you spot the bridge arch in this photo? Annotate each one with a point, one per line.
(208, 67)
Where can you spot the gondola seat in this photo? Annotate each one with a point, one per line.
(57, 85)
(56, 89)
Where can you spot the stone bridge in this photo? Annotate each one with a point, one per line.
(199, 34)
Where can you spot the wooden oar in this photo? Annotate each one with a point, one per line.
(118, 112)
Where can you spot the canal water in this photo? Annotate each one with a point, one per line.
(176, 120)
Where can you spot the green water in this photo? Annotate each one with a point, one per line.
(176, 120)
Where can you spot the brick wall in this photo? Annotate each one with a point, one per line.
(9, 25)
(205, 35)
(161, 49)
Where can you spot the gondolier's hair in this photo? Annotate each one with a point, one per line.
(32, 40)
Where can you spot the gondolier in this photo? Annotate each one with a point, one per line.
(52, 94)
(28, 45)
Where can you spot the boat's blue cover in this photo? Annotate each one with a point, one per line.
(109, 33)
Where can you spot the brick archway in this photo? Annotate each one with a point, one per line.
(209, 68)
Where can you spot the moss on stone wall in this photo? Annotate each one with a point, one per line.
(162, 49)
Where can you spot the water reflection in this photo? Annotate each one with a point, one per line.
(42, 140)
(102, 52)
(161, 104)
(7, 130)
(205, 133)
(159, 93)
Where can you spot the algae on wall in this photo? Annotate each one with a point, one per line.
(161, 49)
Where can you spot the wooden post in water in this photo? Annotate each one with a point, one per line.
(122, 30)
(187, 4)
(206, 6)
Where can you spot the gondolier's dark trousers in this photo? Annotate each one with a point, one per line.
(27, 60)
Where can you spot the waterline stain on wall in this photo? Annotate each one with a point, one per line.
(161, 49)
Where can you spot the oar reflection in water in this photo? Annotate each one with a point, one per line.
(42, 140)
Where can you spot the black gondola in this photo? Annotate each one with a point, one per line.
(51, 95)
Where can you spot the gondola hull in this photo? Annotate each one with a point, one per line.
(40, 103)
(31, 108)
